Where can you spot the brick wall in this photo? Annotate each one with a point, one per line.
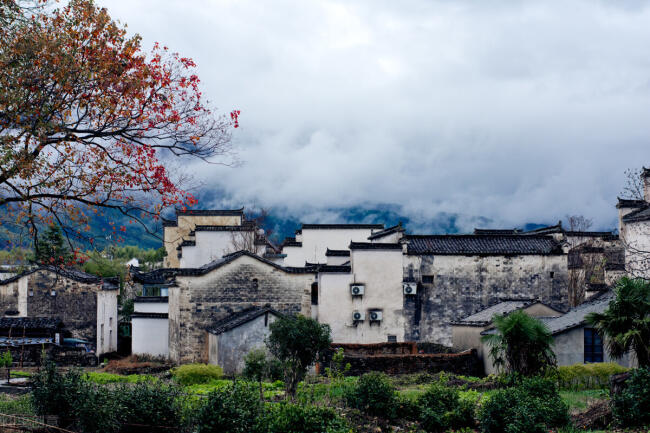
(199, 301)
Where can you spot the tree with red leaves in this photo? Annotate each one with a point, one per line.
(87, 119)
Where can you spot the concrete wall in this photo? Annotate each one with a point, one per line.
(463, 285)
(106, 321)
(150, 336)
(380, 271)
(145, 306)
(315, 243)
(229, 348)
(199, 301)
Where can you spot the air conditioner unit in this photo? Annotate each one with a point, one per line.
(357, 289)
(375, 316)
(358, 316)
(410, 288)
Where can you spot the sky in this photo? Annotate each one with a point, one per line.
(505, 111)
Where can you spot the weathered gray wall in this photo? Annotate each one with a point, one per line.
(463, 285)
(199, 301)
(233, 345)
(75, 302)
(569, 348)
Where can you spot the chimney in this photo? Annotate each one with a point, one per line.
(645, 176)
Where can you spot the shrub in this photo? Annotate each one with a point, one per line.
(293, 418)
(373, 394)
(235, 408)
(579, 377)
(532, 407)
(56, 394)
(96, 409)
(149, 407)
(631, 406)
(441, 408)
(255, 368)
(104, 378)
(193, 374)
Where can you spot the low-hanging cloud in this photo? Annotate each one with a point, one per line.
(516, 111)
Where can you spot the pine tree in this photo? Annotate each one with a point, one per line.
(51, 248)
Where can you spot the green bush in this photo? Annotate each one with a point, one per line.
(235, 408)
(531, 407)
(104, 378)
(441, 408)
(56, 394)
(149, 407)
(579, 377)
(373, 394)
(631, 407)
(193, 374)
(21, 405)
(294, 418)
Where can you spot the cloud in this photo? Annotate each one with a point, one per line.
(516, 111)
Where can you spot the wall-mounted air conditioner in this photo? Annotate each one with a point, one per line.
(358, 316)
(357, 289)
(375, 316)
(410, 288)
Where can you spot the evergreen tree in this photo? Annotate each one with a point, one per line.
(51, 248)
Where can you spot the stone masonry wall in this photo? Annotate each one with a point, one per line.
(200, 301)
(463, 285)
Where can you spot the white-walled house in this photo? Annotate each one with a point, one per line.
(150, 326)
(313, 240)
(634, 228)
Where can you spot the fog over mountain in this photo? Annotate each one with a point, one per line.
(455, 114)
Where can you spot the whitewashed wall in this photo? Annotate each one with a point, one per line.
(150, 336)
(315, 243)
(106, 321)
(381, 272)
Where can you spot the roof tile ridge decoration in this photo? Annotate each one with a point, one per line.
(478, 231)
(223, 228)
(211, 212)
(149, 315)
(290, 242)
(374, 246)
(337, 253)
(343, 269)
(239, 318)
(340, 226)
(231, 257)
(388, 231)
(553, 229)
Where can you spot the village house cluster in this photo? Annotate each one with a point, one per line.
(223, 282)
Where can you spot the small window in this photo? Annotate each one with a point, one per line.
(53, 293)
(593, 346)
(427, 279)
(31, 292)
(314, 294)
(552, 274)
(110, 321)
(392, 338)
(255, 283)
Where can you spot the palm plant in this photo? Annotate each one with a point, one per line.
(521, 344)
(625, 324)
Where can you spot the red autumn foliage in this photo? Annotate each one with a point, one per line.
(87, 119)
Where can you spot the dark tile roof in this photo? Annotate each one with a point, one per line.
(337, 253)
(374, 246)
(212, 212)
(26, 341)
(589, 234)
(641, 214)
(344, 269)
(341, 226)
(482, 245)
(136, 315)
(214, 228)
(153, 299)
(496, 231)
(386, 232)
(290, 242)
(168, 223)
(30, 323)
(238, 319)
(72, 274)
(168, 275)
(624, 203)
(557, 228)
(576, 316)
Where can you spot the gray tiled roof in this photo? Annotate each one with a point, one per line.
(30, 322)
(482, 245)
(337, 253)
(576, 316)
(238, 319)
(484, 317)
(211, 212)
(374, 246)
(389, 231)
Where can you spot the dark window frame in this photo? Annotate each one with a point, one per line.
(593, 346)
